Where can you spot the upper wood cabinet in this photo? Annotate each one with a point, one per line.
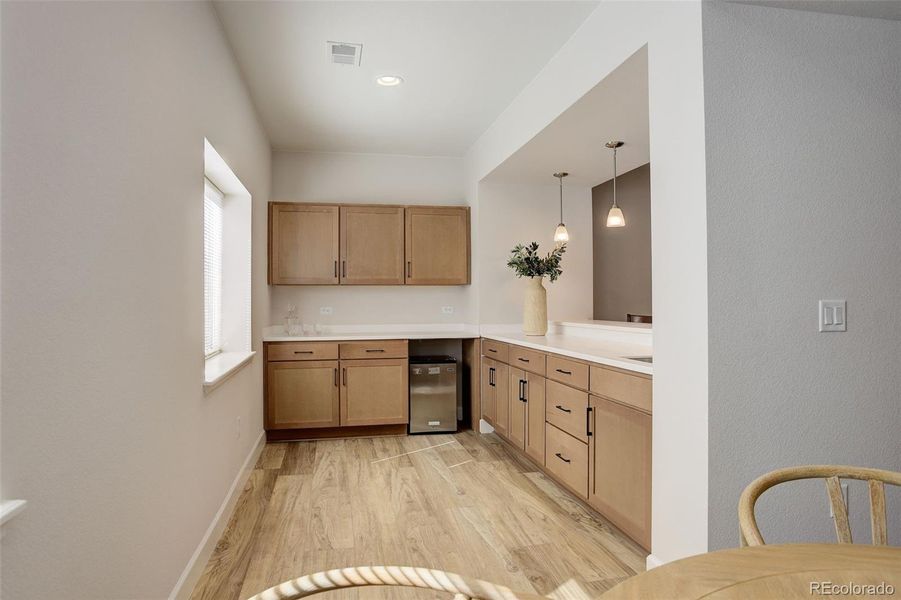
(372, 245)
(366, 244)
(303, 244)
(437, 245)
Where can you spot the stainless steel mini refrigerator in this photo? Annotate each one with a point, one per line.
(433, 394)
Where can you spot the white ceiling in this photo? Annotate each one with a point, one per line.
(615, 109)
(463, 63)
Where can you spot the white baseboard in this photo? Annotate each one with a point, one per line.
(191, 575)
(485, 427)
(652, 561)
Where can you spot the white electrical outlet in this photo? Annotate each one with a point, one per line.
(325, 310)
(844, 497)
(833, 315)
(448, 310)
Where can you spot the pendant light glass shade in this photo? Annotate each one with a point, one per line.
(615, 217)
(561, 235)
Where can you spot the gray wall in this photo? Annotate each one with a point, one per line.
(803, 119)
(622, 255)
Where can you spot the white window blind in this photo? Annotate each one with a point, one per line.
(212, 269)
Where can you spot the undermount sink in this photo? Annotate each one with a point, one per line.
(644, 359)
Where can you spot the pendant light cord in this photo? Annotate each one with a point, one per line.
(561, 199)
(614, 177)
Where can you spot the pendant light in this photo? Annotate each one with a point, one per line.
(561, 236)
(615, 217)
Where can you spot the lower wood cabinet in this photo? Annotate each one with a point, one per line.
(567, 459)
(365, 384)
(598, 445)
(527, 412)
(487, 393)
(501, 396)
(620, 470)
(302, 394)
(374, 392)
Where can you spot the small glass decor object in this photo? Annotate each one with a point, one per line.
(525, 262)
(292, 325)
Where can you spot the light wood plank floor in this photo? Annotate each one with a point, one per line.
(463, 503)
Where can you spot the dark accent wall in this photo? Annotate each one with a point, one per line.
(622, 255)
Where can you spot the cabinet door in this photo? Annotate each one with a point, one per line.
(374, 392)
(501, 398)
(303, 244)
(620, 469)
(517, 430)
(437, 245)
(302, 394)
(488, 391)
(535, 416)
(372, 245)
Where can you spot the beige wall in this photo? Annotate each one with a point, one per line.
(373, 178)
(622, 255)
(518, 213)
(106, 431)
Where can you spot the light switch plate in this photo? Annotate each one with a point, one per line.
(833, 315)
(448, 310)
(325, 310)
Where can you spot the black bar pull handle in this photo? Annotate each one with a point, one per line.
(525, 360)
(409, 268)
(375, 349)
(560, 456)
(336, 376)
(566, 410)
(303, 352)
(343, 268)
(588, 421)
(336, 268)
(564, 372)
(344, 376)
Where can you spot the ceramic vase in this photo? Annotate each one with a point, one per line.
(535, 308)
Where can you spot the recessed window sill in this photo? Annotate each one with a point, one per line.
(222, 366)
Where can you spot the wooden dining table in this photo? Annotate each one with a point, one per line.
(779, 571)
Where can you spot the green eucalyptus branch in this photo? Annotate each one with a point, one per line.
(525, 261)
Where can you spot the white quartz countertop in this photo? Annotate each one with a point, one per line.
(382, 332)
(605, 343)
(613, 353)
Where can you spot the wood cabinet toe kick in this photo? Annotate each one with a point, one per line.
(594, 429)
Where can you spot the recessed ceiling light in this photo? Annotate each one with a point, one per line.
(389, 80)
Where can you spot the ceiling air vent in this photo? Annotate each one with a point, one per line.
(344, 53)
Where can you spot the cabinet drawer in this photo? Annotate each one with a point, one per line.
(567, 409)
(530, 360)
(634, 390)
(301, 351)
(496, 350)
(567, 371)
(374, 349)
(567, 459)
